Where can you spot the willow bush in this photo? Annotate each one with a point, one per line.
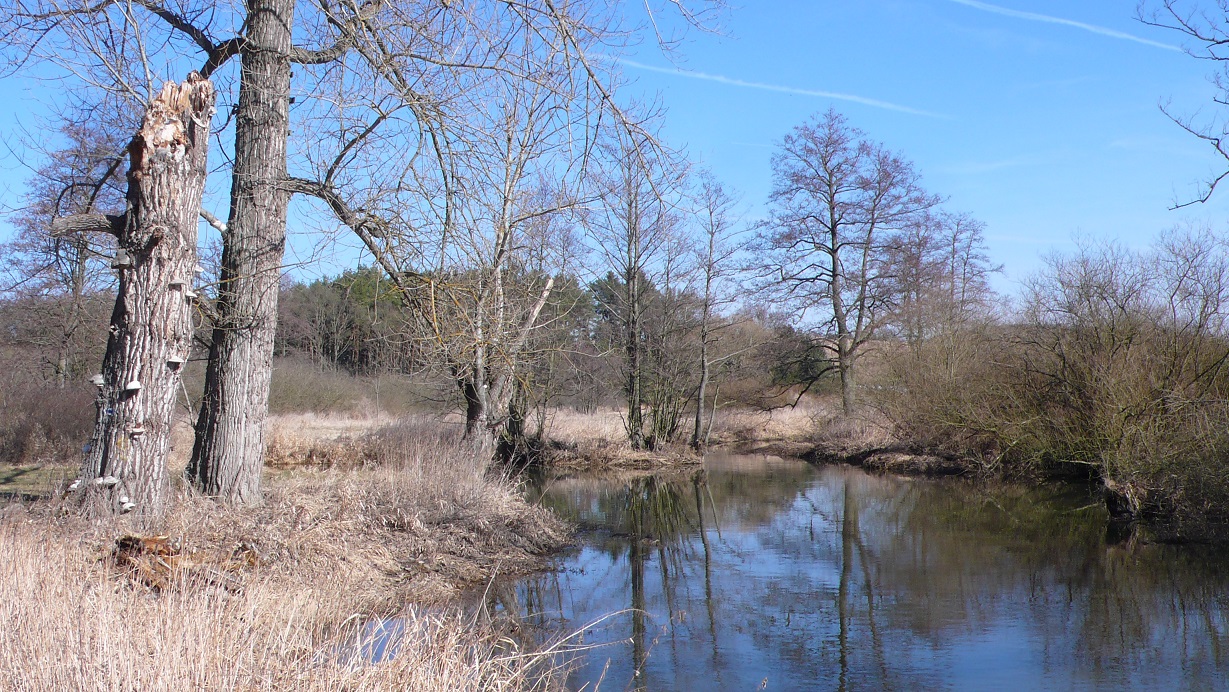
(1116, 365)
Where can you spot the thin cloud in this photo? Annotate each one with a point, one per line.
(874, 103)
(983, 167)
(1167, 146)
(1093, 28)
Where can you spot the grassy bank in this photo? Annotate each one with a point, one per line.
(282, 595)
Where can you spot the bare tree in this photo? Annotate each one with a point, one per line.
(117, 48)
(454, 224)
(714, 260)
(151, 326)
(228, 453)
(941, 272)
(1209, 30)
(632, 226)
(838, 207)
(61, 277)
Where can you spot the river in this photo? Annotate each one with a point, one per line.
(766, 573)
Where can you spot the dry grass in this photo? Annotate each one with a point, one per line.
(598, 440)
(797, 424)
(815, 426)
(73, 623)
(344, 440)
(299, 386)
(311, 439)
(335, 551)
(569, 426)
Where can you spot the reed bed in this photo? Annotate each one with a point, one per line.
(331, 553)
(571, 427)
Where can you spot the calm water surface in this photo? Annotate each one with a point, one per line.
(761, 573)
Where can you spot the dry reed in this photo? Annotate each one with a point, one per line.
(339, 553)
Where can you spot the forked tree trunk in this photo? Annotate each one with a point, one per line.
(230, 431)
(151, 325)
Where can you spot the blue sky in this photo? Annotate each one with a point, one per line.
(1039, 117)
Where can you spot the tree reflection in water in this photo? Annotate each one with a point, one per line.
(771, 570)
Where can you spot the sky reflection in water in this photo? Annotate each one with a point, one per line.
(761, 572)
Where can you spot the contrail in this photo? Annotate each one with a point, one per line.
(1033, 16)
(874, 103)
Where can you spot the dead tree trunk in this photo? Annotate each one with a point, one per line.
(230, 432)
(151, 325)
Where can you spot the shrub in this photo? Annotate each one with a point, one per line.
(1120, 368)
(299, 386)
(42, 423)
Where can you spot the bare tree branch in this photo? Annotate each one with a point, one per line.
(88, 223)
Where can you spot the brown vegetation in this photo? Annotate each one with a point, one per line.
(42, 423)
(1116, 373)
(598, 440)
(814, 428)
(280, 595)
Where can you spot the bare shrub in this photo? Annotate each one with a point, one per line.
(1120, 369)
(951, 394)
(40, 422)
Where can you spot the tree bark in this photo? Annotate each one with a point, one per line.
(474, 391)
(633, 326)
(844, 364)
(699, 437)
(230, 431)
(151, 325)
(88, 223)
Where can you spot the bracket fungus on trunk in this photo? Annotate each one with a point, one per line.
(151, 326)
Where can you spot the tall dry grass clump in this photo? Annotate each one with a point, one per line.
(330, 562)
(604, 426)
(800, 422)
(72, 622)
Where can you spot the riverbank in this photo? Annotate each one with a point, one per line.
(816, 430)
(283, 595)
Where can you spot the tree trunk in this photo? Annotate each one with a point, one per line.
(844, 364)
(844, 338)
(151, 325)
(631, 336)
(479, 406)
(475, 395)
(699, 439)
(230, 431)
